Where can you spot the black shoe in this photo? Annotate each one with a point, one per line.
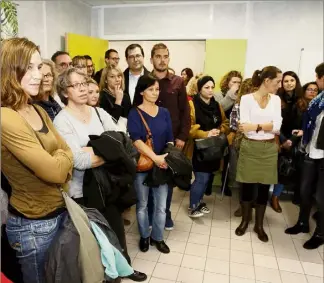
(137, 276)
(144, 244)
(258, 227)
(298, 228)
(161, 246)
(314, 242)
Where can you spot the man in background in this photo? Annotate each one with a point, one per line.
(134, 54)
(62, 61)
(112, 58)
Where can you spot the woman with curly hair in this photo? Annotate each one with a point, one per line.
(229, 86)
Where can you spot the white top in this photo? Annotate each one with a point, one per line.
(58, 100)
(251, 112)
(133, 79)
(76, 134)
(315, 153)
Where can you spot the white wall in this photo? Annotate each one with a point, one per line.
(46, 22)
(276, 30)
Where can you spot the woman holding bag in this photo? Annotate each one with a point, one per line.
(35, 159)
(207, 120)
(150, 121)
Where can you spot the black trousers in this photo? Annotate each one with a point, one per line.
(313, 173)
(249, 191)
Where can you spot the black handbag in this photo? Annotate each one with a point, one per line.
(212, 148)
(287, 166)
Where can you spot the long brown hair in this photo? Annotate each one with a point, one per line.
(302, 102)
(15, 56)
(227, 78)
(269, 72)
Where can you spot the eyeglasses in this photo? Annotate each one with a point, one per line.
(65, 65)
(137, 56)
(312, 89)
(78, 85)
(80, 66)
(48, 76)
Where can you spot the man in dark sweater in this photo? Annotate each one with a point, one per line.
(173, 97)
(112, 58)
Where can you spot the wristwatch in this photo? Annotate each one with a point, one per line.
(259, 128)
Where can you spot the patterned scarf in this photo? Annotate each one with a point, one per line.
(316, 106)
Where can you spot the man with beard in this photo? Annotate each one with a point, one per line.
(173, 97)
(134, 54)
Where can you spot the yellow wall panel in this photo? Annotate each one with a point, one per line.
(77, 44)
(224, 55)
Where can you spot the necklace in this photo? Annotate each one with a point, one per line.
(83, 117)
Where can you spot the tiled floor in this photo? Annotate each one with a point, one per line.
(206, 250)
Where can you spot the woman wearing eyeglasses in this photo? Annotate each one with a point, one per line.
(47, 101)
(76, 122)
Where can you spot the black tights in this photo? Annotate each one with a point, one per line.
(248, 193)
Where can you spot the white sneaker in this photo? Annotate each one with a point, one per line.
(195, 213)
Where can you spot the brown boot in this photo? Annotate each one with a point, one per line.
(246, 216)
(258, 227)
(275, 204)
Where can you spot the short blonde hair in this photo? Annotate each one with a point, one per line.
(92, 81)
(103, 80)
(192, 87)
(51, 64)
(79, 60)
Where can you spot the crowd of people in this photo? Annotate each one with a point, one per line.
(112, 139)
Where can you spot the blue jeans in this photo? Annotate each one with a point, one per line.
(159, 197)
(31, 240)
(168, 221)
(277, 190)
(198, 188)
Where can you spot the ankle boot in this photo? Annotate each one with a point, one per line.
(246, 216)
(275, 204)
(300, 227)
(258, 227)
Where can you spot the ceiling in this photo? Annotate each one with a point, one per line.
(122, 2)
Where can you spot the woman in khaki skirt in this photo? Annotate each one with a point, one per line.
(260, 119)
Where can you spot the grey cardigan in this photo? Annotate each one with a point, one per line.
(226, 101)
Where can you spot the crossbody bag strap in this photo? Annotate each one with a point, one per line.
(144, 122)
(98, 115)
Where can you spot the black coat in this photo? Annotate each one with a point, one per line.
(107, 102)
(113, 181)
(126, 76)
(62, 261)
(179, 172)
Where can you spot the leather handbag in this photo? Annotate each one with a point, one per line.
(145, 163)
(212, 148)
